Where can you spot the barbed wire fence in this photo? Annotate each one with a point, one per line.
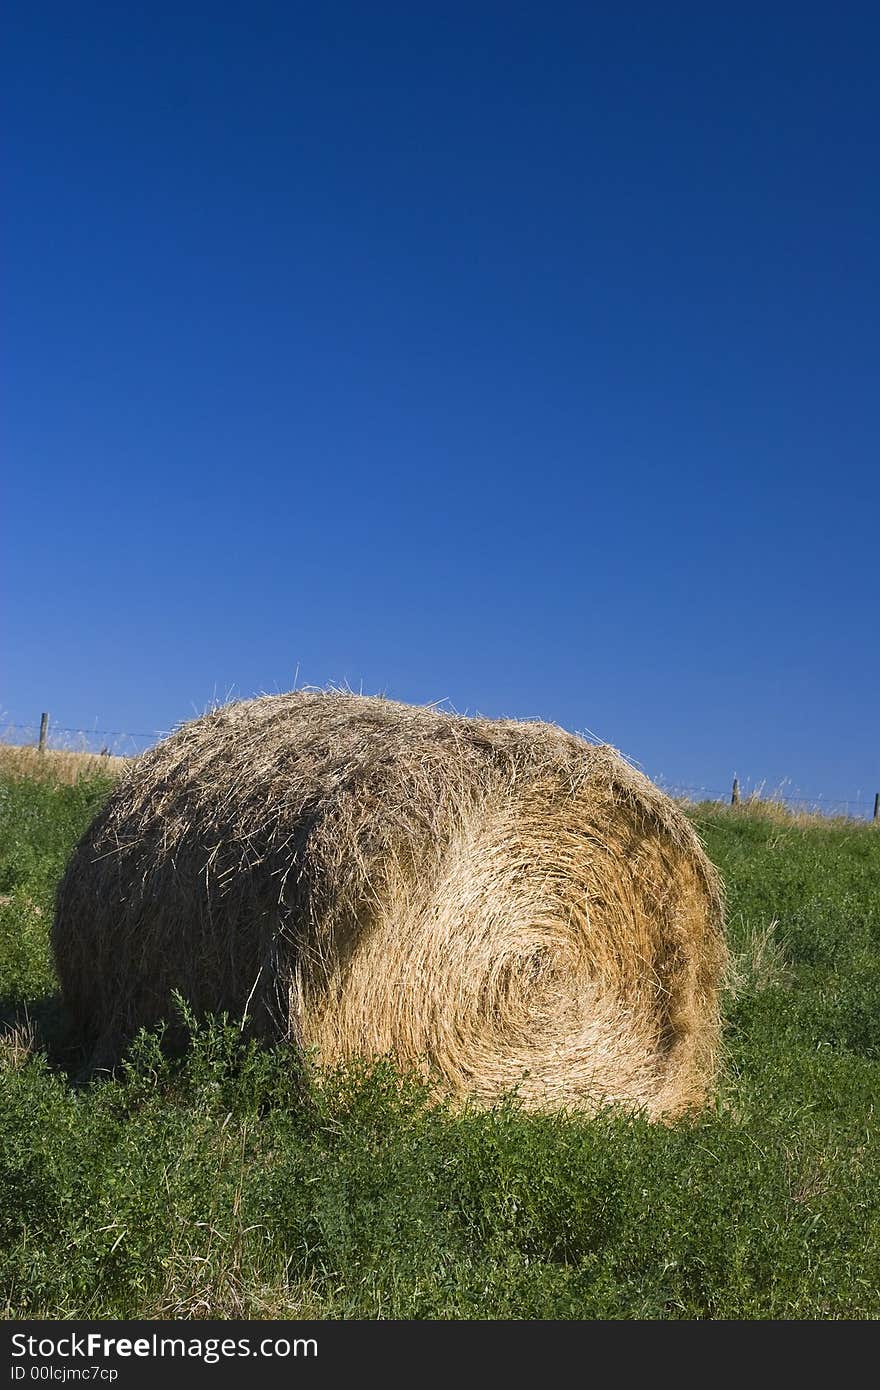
(117, 743)
(854, 808)
(114, 743)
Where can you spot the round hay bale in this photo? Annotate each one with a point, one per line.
(496, 902)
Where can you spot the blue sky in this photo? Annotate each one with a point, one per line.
(523, 356)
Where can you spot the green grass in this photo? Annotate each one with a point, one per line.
(208, 1187)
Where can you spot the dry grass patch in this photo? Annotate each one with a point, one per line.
(57, 765)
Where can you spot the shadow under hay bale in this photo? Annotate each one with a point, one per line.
(497, 902)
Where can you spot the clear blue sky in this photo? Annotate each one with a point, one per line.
(521, 355)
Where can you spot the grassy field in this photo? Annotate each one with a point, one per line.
(210, 1189)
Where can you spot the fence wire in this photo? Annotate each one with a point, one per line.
(116, 742)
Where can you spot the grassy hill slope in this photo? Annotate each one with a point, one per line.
(208, 1188)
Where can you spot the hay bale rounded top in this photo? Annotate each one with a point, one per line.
(498, 902)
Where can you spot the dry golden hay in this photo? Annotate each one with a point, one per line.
(499, 903)
(56, 764)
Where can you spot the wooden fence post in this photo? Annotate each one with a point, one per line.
(734, 795)
(877, 805)
(44, 729)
